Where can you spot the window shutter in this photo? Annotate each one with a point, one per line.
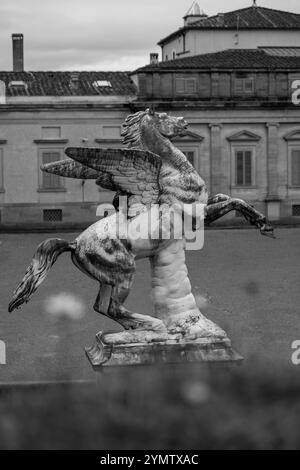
(180, 85)
(239, 85)
(239, 168)
(190, 156)
(243, 170)
(248, 83)
(244, 85)
(50, 181)
(295, 167)
(248, 168)
(1, 169)
(190, 86)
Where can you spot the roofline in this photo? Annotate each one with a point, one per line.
(215, 69)
(56, 107)
(65, 71)
(184, 29)
(220, 27)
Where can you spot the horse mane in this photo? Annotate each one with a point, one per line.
(131, 129)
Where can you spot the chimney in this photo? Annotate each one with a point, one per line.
(154, 58)
(18, 52)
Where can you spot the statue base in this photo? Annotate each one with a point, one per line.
(167, 352)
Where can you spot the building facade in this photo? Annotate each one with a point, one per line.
(41, 113)
(242, 104)
(247, 28)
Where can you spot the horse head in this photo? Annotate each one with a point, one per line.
(152, 123)
(168, 126)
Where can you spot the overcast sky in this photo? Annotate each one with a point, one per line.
(99, 34)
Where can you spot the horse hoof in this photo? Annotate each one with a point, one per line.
(267, 231)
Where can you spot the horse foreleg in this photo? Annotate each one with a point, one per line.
(217, 198)
(215, 211)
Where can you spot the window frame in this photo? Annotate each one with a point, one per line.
(191, 148)
(244, 91)
(184, 91)
(235, 148)
(41, 187)
(292, 147)
(2, 190)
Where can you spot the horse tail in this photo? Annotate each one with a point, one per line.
(45, 256)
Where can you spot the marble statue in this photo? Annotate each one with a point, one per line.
(150, 173)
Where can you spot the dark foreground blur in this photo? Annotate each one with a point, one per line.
(172, 407)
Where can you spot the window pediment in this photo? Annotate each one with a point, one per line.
(244, 136)
(294, 135)
(190, 137)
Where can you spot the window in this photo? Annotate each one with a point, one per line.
(244, 168)
(295, 167)
(187, 86)
(102, 83)
(296, 210)
(48, 180)
(1, 171)
(18, 85)
(174, 55)
(244, 85)
(52, 215)
(190, 155)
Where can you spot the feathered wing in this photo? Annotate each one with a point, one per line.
(130, 171)
(70, 169)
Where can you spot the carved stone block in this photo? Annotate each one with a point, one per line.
(167, 352)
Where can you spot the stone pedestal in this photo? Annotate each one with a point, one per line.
(166, 352)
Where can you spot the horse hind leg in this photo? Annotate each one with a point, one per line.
(139, 328)
(103, 299)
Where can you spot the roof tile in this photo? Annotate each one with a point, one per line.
(253, 17)
(60, 84)
(229, 59)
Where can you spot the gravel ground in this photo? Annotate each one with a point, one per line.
(250, 285)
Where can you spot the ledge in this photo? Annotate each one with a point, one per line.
(51, 141)
(273, 198)
(54, 190)
(245, 188)
(107, 141)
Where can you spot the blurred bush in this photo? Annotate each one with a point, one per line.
(170, 407)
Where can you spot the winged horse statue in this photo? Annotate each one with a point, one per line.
(151, 172)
